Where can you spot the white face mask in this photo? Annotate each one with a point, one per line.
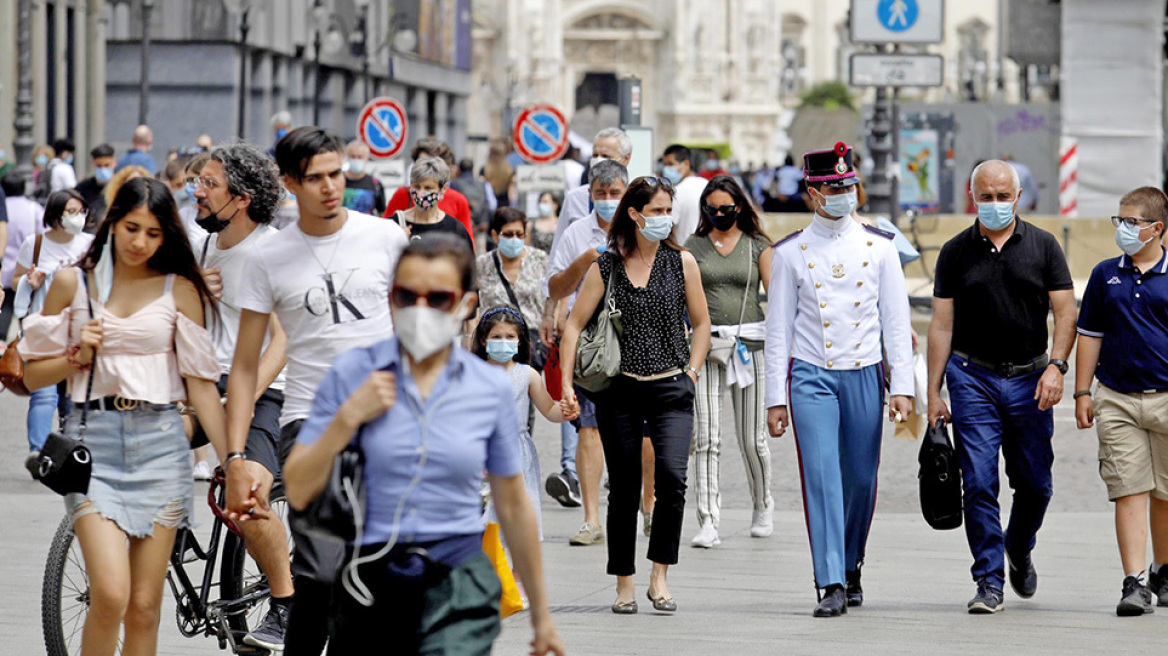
(423, 331)
(73, 223)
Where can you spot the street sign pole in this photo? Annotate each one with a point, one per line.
(883, 23)
(880, 198)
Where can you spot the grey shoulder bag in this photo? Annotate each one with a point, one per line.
(598, 355)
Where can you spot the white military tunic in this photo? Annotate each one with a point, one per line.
(837, 296)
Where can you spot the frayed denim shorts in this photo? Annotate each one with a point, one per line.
(141, 469)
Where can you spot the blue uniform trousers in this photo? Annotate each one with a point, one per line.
(992, 413)
(837, 420)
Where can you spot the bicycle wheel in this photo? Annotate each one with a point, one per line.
(65, 594)
(241, 577)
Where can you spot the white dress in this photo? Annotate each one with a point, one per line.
(520, 377)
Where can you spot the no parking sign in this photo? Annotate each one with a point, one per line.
(541, 134)
(383, 126)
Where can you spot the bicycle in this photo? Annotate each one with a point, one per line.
(243, 588)
(915, 231)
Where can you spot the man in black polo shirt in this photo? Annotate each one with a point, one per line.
(995, 283)
(1123, 340)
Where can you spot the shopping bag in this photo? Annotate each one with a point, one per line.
(512, 601)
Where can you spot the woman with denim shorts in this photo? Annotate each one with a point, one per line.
(131, 317)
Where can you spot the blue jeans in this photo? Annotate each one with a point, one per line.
(992, 413)
(42, 403)
(568, 440)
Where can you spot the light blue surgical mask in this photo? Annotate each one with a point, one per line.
(41, 160)
(995, 216)
(103, 174)
(69, 159)
(502, 350)
(671, 174)
(657, 227)
(190, 189)
(2, 153)
(511, 247)
(840, 205)
(1128, 238)
(606, 209)
(357, 166)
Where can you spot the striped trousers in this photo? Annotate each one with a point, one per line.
(749, 406)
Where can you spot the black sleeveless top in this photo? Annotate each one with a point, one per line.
(653, 318)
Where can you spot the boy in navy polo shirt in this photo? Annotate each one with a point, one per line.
(1123, 341)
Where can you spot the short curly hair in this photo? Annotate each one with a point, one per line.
(250, 172)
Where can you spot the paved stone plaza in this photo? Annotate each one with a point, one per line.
(748, 596)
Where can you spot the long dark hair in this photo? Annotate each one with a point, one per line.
(55, 206)
(174, 255)
(622, 237)
(494, 317)
(747, 216)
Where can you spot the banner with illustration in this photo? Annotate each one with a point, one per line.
(920, 162)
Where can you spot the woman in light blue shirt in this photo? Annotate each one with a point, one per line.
(429, 418)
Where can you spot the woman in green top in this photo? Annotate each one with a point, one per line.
(734, 256)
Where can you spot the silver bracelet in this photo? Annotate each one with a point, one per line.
(234, 455)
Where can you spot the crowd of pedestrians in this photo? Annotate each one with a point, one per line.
(283, 307)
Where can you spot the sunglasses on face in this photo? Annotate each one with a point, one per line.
(439, 299)
(658, 182)
(718, 210)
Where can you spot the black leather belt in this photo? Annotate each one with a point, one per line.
(1007, 369)
(122, 404)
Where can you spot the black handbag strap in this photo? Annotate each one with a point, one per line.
(497, 259)
(203, 258)
(92, 363)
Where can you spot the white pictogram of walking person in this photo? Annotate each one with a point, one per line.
(899, 14)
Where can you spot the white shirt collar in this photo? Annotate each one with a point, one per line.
(832, 228)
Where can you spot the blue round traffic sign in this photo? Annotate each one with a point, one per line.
(898, 15)
(541, 134)
(383, 126)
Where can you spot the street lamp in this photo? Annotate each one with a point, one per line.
(242, 8)
(318, 11)
(23, 143)
(335, 33)
(144, 64)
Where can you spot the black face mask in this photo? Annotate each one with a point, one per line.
(212, 223)
(723, 222)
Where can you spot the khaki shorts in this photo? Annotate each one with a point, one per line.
(1133, 442)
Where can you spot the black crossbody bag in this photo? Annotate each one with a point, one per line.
(335, 513)
(65, 464)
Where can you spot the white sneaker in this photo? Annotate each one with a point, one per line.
(706, 538)
(762, 523)
(202, 471)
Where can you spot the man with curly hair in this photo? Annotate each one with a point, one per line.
(237, 193)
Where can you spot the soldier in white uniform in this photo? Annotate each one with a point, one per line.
(837, 303)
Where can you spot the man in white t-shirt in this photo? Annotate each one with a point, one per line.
(237, 193)
(610, 143)
(689, 186)
(328, 279)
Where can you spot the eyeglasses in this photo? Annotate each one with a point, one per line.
(209, 183)
(1130, 221)
(439, 299)
(513, 233)
(715, 210)
(81, 212)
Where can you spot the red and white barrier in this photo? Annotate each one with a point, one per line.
(1068, 177)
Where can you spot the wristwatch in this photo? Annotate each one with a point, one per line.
(1061, 364)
